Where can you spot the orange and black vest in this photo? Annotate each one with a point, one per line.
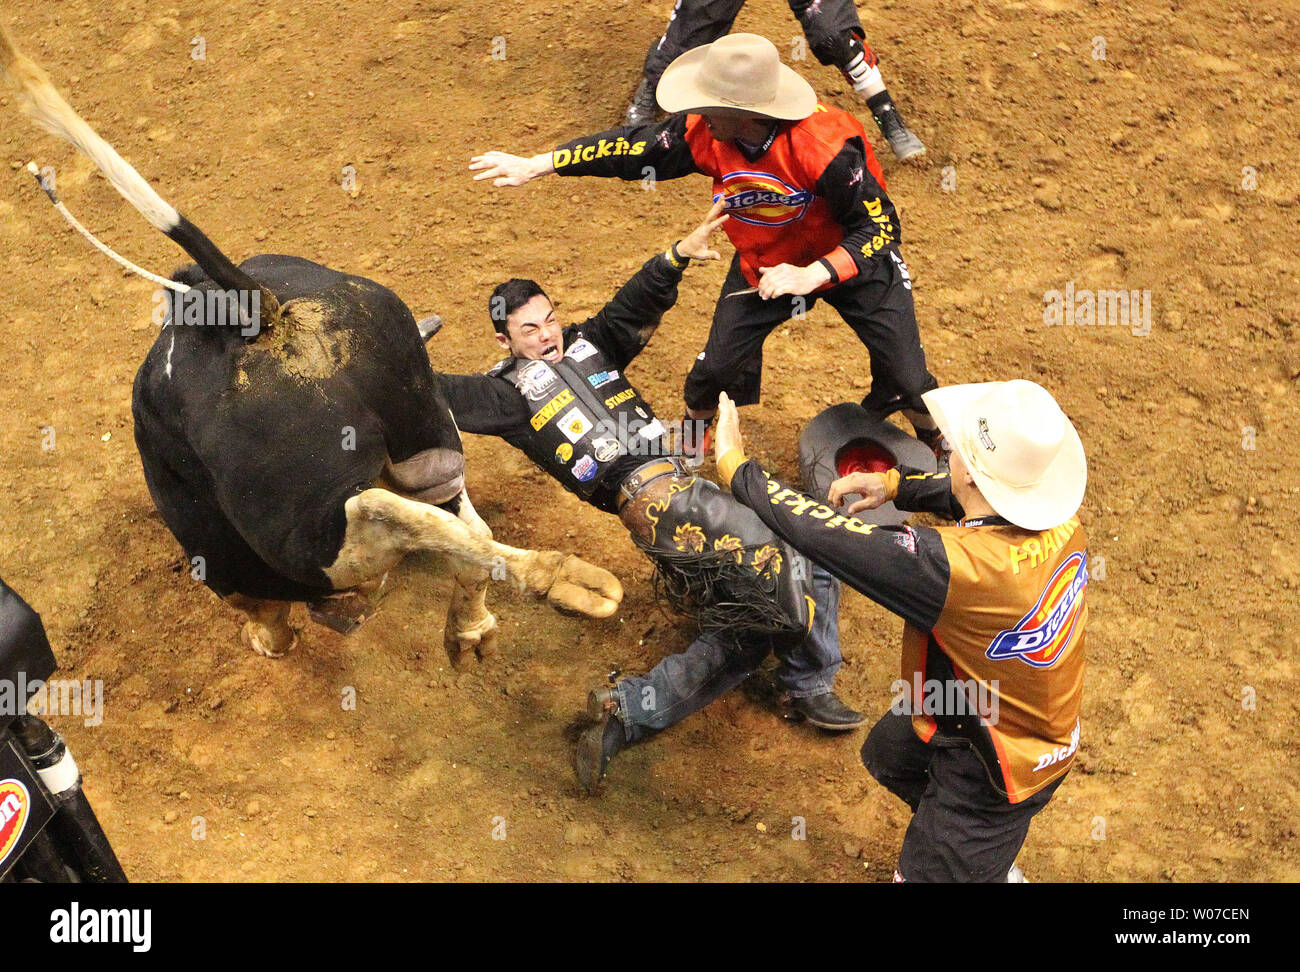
(1012, 632)
(993, 639)
(776, 215)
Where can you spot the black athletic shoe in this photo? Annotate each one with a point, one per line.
(904, 144)
(826, 711)
(643, 108)
(600, 742)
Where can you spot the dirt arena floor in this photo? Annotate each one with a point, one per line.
(1128, 172)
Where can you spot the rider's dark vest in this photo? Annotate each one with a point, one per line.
(584, 414)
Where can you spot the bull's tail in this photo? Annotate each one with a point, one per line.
(41, 101)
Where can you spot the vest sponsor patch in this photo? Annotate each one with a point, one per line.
(580, 350)
(762, 199)
(605, 449)
(584, 469)
(15, 808)
(574, 424)
(615, 400)
(536, 379)
(564, 453)
(547, 411)
(652, 431)
(601, 378)
(1041, 636)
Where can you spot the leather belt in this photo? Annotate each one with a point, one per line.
(642, 475)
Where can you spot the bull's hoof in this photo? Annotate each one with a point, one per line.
(583, 588)
(267, 641)
(344, 613)
(472, 644)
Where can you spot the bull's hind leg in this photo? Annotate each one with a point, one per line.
(383, 526)
(471, 629)
(266, 629)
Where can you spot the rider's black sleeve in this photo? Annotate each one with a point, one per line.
(625, 325)
(484, 405)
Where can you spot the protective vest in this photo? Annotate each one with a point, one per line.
(584, 415)
(1012, 629)
(776, 214)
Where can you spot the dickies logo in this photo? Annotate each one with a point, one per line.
(15, 808)
(1042, 636)
(762, 199)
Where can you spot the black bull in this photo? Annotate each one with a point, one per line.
(251, 448)
(292, 432)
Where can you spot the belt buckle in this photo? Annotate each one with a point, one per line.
(634, 483)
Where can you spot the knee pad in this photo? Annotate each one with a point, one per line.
(835, 50)
(834, 43)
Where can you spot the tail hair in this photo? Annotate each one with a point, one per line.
(41, 101)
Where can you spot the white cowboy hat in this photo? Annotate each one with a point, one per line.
(741, 72)
(1023, 453)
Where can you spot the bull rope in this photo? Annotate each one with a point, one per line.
(101, 247)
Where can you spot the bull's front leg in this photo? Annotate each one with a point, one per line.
(383, 527)
(471, 629)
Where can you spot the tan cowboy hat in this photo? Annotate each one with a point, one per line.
(742, 72)
(1023, 453)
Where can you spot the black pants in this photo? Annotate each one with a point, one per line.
(876, 304)
(697, 22)
(962, 829)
